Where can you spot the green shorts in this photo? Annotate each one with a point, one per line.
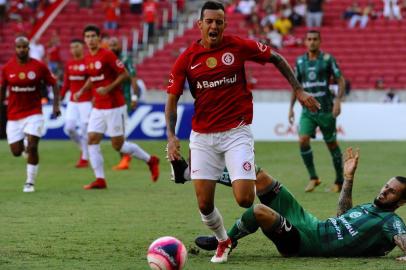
(309, 122)
(287, 206)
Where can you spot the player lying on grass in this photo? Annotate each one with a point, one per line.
(371, 229)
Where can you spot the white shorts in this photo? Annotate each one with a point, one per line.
(78, 111)
(31, 125)
(211, 153)
(110, 122)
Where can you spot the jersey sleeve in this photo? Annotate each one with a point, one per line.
(394, 226)
(177, 77)
(255, 51)
(49, 79)
(335, 69)
(130, 67)
(66, 82)
(115, 63)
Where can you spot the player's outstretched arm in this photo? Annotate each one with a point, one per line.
(283, 66)
(171, 117)
(350, 166)
(400, 241)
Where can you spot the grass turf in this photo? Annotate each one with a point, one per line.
(62, 226)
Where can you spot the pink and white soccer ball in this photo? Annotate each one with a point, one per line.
(167, 253)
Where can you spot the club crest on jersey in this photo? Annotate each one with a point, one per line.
(81, 67)
(119, 63)
(21, 75)
(312, 75)
(355, 214)
(31, 75)
(247, 166)
(261, 47)
(98, 65)
(227, 58)
(211, 62)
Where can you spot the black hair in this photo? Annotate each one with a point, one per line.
(212, 5)
(77, 40)
(313, 31)
(402, 180)
(92, 28)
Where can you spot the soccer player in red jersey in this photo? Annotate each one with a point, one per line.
(221, 135)
(77, 112)
(106, 74)
(23, 78)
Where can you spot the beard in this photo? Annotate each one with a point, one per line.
(386, 206)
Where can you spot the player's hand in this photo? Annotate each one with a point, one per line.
(307, 100)
(291, 116)
(56, 111)
(173, 148)
(77, 95)
(336, 108)
(102, 90)
(350, 162)
(401, 259)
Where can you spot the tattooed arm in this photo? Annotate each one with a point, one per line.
(284, 68)
(400, 241)
(171, 119)
(350, 166)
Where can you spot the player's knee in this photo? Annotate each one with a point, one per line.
(206, 207)
(32, 148)
(245, 200)
(117, 145)
(16, 152)
(263, 213)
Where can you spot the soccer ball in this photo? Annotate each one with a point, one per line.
(167, 253)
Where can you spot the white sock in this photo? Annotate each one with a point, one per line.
(96, 160)
(135, 151)
(215, 223)
(70, 129)
(83, 142)
(32, 171)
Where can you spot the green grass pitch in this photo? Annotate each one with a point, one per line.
(62, 226)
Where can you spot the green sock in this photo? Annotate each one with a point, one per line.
(307, 156)
(338, 164)
(244, 226)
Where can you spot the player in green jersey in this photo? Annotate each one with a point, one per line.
(314, 70)
(130, 89)
(371, 229)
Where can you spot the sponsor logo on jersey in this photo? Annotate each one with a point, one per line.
(314, 84)
(337, 228)
(355, 214)
(216, 83)
(98, 65)
(247, 166)
(23, 89)
(261, 47)
(195, 66)
(227, 58)
(119, 63)
(76, 78)
(81, 67)
(348, 226)
(211, 62)
(21, 75)
(31, 75)
(97, 78)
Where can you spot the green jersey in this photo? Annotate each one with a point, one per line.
(364, 230)
(314, 75)
(128, 63)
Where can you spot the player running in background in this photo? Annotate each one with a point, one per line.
(23, 78)
(77, 112)
(314, 70)
(130, 90)
(221, 135)
(371, 229)
(106, 74)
